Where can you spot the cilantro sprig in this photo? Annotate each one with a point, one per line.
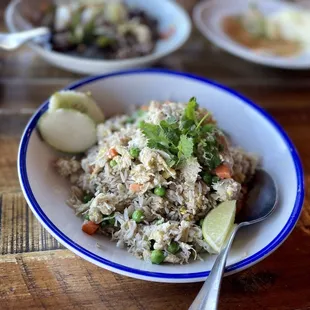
(185, 138)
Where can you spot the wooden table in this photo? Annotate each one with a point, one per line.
(36, 272)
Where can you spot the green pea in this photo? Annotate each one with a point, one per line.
(138, 216)
(86, 217)
(215, 179)
(157, 257)
(113, 163)
(207, 178)
(134, 152)
(87, 198)
(160, 191)
(173, 247)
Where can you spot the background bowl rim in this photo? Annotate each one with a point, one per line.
(9, 21)
(237, 50)
(149, 275)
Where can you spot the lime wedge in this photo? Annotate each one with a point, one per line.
(218, 224)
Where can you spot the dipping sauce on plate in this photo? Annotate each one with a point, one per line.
(278, 47)
(281, 34)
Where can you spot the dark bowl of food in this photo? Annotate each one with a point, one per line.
(102, 36)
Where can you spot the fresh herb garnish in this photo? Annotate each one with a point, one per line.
(189, 119)
(185, 147)
(190, 110)
(171, 131)
(210, 148)
(157, 137)
(187, 138)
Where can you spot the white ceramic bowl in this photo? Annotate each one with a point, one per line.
(168, 13)
(208, 16)
(248, 125)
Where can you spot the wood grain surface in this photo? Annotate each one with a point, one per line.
(36, 272)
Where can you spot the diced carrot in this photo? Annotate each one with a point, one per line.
(112, 153)
(135, 187)
(90, 227)
(223, 172)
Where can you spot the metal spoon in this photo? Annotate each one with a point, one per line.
(262, 200)
(11, 41)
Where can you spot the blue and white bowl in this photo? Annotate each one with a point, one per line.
(248, 125)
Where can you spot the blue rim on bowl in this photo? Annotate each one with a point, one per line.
(277, 241)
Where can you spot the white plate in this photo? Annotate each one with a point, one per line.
(167, 12)
(208, 16)
(248, 125)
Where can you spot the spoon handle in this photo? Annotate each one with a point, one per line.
(207, 298)
(10, 41)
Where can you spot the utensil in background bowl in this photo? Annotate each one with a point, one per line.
(12, 41)
(167, 12)
(247, 124)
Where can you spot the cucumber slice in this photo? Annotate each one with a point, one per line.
(68, 131)
(69, 99)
